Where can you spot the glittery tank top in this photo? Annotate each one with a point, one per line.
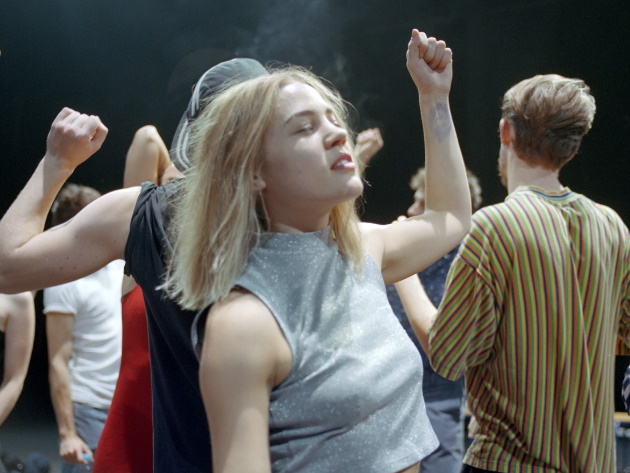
(353, 398)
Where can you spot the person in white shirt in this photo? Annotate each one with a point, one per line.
(84, 333)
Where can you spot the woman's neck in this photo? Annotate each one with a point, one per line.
(298, 223)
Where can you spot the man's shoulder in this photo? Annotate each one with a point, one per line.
(491, 216)
(491, 232)
(64, 297)
(612, 216)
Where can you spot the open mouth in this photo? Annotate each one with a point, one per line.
(344, 162)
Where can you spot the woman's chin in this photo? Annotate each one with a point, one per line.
(355, 187)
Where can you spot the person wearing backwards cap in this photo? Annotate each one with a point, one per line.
(129, 223)
(212, 81)
(126, 442)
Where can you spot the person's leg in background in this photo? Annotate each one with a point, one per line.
(447, 420)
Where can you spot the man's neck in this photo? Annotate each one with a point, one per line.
(523, 174)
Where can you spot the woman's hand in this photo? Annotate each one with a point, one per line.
(430, 64)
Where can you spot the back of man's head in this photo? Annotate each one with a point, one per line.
(549, 115)
(70, 200)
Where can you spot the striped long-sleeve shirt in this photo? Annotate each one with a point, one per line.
(535, 301)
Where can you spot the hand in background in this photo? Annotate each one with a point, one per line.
(369, 142)
(74, 450)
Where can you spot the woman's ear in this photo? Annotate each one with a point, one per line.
(259, 184)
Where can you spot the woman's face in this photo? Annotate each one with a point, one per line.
(308, 167)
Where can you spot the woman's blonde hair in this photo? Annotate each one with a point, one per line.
(218, 218)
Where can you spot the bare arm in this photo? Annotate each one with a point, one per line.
(59, 337)
(19, 316)
(30, 259)
(405, 248)
(148, 159)
(244, 355)
(418, 307)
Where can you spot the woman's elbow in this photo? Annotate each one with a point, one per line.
(459, 225)
(465, 224)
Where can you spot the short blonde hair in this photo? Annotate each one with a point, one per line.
(550, 114)
(419, 180)
(218, 219)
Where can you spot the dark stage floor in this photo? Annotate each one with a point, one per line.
(31, 428)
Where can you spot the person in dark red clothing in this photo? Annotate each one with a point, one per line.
(125, 445)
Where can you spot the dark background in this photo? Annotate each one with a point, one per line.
(133, 62)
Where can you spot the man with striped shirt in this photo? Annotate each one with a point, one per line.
(537, 297)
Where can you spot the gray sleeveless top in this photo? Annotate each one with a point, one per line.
(353, 399)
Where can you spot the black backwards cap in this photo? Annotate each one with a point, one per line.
(212, 81)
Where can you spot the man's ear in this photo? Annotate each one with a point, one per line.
(259, 184)
(505, 132)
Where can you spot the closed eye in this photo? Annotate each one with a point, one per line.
(306, 128)
(332, 117)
